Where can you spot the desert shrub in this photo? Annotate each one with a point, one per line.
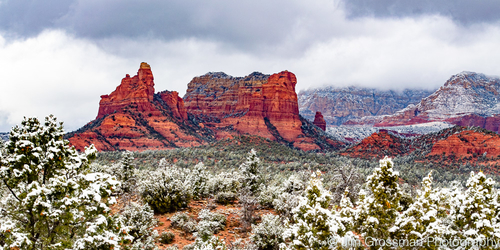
(166, 189)
(285, 203)
(183, 221)
(224, 183)
(225, 198)
(212, 243)
(198, 179)
(268, 194)
(140, 220)
(268, 234)
(209, 224)
(167, 237)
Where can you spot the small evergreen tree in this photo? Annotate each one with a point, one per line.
(54, 201)
(377, 211)
(126, 173)
(313, 225)
(423, 220)
(474, 213)
(249, 170)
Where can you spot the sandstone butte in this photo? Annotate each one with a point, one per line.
(468, 144)
(378, 145)
(319, 121)
(258, 104)
(133, 117)
(216, 106)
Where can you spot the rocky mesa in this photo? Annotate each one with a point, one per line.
(134, 118)
(257, 104)
(216, 106)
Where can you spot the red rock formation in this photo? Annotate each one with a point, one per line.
(468, 144)
(175, 103)
(319, 121)
(131, 118)
(378, 145)
(137, 91)
(256, 104)
(491, 123)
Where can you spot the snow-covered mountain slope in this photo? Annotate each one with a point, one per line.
(468, 95)
(341, 104)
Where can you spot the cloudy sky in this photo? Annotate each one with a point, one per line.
(58, 56)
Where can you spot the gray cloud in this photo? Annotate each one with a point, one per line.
(462, 11)
(64, 54)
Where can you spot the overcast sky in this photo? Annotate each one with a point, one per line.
(58, 56)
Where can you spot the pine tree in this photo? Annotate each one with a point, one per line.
(346, 213)
(54, 201)
(127, 171)
(377, 211)
(474, 213)
(249, 170)
(421, 225)
(313, 225)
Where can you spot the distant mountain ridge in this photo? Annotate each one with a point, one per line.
(340, 104)
(467, 99)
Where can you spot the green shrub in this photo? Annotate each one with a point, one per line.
(167, 237)
(225, 198)
(183, 221)
(166, 189)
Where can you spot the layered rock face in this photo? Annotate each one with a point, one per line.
(468, 144)
(466, 98)
(258, 104)
(379, 145)
(216, 106)
(338, 105)
(138, 90)
(319, 121)
(134, 118)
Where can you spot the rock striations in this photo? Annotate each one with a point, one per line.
(465, 99)
(319, 121)
(258, 104)
(133, 117)
(338, 105)
(216, 106)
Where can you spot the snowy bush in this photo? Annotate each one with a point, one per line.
(268, 234)
(475, 213)
(212, 243)
(424, 218)
(166, 189)
(225, 198)
(224, 183)
(285, 203)
(183, 221)
(198, 179)
(268, 194)
(52, 192)
(167, 237)
(209, 224)
(313, 226)
(140, 220)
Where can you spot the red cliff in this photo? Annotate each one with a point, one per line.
(138, 90)
(257, 104)
(216, 106)
(468, 144)
(134, 118)
(319, 121)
